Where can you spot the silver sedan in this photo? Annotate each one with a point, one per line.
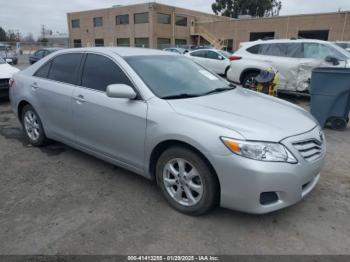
(203, 140)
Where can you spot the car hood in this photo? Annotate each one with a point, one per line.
(6, 71)
(255, 116)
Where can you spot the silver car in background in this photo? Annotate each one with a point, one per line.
(205, 141)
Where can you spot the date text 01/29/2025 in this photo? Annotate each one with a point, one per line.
(173, 258)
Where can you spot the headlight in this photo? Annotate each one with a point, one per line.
(262, 151)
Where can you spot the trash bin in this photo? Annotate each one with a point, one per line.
(330, 96)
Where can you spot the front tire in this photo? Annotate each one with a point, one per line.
(186, 181)
(32, 126)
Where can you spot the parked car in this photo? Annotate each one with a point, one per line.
(205, 141)
(293, 59)
(344, 45)
(176, 50)
(216, 60)
(9, 57)
(41, 53)
(6, 72)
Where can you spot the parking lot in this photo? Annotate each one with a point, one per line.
(56, 200)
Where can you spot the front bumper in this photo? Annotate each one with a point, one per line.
(243, 180)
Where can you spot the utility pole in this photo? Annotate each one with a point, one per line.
(43, 31)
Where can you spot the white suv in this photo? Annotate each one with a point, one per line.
(293, 59)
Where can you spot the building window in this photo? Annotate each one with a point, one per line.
(99, 42)
(142, 42)
(164, 19)
(98, 21)
(261, 36)
(181, 20)
(123, 42)
(163, 43)
(77, 43)
(122, 19)
(75, 23)
(141, 18)
(180, 42)
(316, 34)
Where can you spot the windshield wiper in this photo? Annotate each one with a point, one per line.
(180, 96)
(221, 89)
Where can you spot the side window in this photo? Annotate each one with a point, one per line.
(199, 53)
(39, 53)
(320, 52)
(254, 49)
(272, 50)
(100, 71)
(294, 50)
(43, 71)
(212, 55)
(64, 68)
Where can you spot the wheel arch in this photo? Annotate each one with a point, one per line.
(247, 72)
(164, 145)
(20, 107)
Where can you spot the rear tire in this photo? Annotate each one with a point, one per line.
(249, 81)
(32, 127)
(186, 181)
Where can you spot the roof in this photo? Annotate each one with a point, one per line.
(283, 41)
(121, 51)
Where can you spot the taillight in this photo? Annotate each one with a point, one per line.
(234, 58)
(12, 82)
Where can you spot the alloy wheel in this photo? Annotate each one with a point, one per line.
(183, 182)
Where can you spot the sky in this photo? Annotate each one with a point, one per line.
(28, 16)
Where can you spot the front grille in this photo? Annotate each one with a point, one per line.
(4, 83)
(310, 150)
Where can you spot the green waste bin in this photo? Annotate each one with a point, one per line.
(330, 96)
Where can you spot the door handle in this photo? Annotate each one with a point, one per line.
(34, 85)
(80, 99)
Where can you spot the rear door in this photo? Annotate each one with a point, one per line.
(200, 57)
(53, 85)
(112, 127)
(215, 63)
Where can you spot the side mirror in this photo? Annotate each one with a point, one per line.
(221, 57)
(121, 91)
(332, 60)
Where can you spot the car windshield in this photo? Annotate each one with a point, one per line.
(171, 77)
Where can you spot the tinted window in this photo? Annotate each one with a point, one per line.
(293, 50)
(141, 18)
(164, 19)
(320, 52)
(254, 49)
(98, 21)
(212, 55)
(40, 53)
(200, 53)
(100, 71)
(43, 71)
(142, 42)
(181, 20)
(65, 67)
(122, 19)
(123, 42)
(99, 42)
(75, 23)
(77, 43)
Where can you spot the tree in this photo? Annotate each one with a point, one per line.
(2, 35)
(255, 8)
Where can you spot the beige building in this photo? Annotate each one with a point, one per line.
(158, 26)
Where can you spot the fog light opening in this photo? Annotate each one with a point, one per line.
(268, 198)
